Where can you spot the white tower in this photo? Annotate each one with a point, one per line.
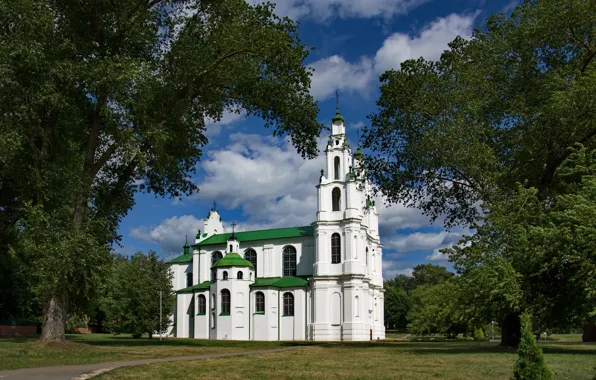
(344, 287)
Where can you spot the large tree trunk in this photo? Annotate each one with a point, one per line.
(589, 334)
(511, 330)
(54, 319)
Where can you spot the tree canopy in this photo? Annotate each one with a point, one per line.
(100, 99)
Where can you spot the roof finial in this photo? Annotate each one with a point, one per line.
(186, 238)
(233, 225)
(214, 206)
(336, 102)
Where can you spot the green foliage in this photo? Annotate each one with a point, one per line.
(494, 111)
(102, 99)
(505, 120)
(478, 334)
(438, 310)
(530, 364)
(131, 303)
(398, 292)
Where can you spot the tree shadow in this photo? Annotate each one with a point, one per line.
(467, 347)
(127, 341)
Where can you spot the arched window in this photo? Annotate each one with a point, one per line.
(366, 255)
(189, 279)
(336, 198)
(202, 305)
(240, 275)
(251, 256)
(336, 167)
(225, 275)
(231, 247)
(289, 257)
(215, 257)
(225, 301)
(213, 274)
(288, 304)
(335, 249)
(260, 302)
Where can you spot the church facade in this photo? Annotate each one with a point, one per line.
(320, 282)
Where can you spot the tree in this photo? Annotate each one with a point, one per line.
(398, 292)
(132, 303)
(530, 364)
(438, 309)
(489, 128)
(100, 99)
(494, 111)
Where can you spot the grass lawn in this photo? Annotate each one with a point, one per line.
(96, 348)
(383, 360)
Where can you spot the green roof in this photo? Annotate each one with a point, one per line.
(359, 154)
(232, 260)
(276, 233)
(337, 117)
(181, 259)
(202, 286)
(280, 282)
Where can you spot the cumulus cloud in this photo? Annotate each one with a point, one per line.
(228, 119)
(335, 72)
(264, 176)
(394, 268)
(322, 10)
(422, 241)
(170, 233)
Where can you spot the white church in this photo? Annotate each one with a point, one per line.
(321, 282)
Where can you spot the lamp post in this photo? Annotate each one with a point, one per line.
(160, 312)
(492, 329)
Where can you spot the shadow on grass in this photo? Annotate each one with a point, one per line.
(127, 341)
(466, 347)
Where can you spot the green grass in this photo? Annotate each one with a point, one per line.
(97, 348)
(383, 360)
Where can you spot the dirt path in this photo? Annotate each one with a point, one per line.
(86, 371)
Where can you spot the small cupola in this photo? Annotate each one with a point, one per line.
(358, 155)
(233, 243)
(186, 247)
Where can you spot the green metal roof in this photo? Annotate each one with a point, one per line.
(181, 259)
(202, 286)
(359, 154)
(276, 233)
(280, 282)
(232, 260)
(337, 117)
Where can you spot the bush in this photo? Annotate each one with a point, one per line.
(479, 334)
(529, 364)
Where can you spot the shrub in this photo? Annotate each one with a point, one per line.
(529, 364)
(478, 334)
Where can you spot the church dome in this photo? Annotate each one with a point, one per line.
(337, 117)
(232, 260)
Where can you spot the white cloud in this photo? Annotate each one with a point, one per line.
(228, 119)
(264, 176)
(322, 10)
(335, 72)
(422, 241)
(170, 233)
(393, 268)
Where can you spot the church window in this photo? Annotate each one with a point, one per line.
(289, 257)
(202, 304)
(251, 256)
(213, 275)
(260, 302)
(230, 248)
(215, 257)
(335, 249)
(240, 275)
(336, 198)
(225, 275)
(366, 255)
(225, 301)
(288, 304)
(189, 279)
(336, 167)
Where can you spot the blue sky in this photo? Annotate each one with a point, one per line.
(261, 182)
